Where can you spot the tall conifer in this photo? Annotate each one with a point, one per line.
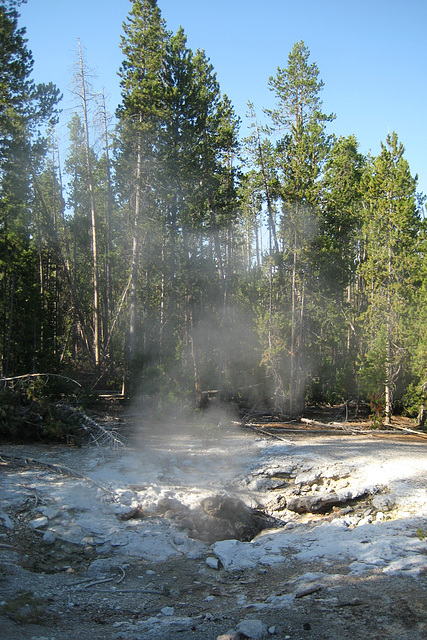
(140, 116)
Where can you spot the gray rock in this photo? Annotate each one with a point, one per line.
(213, 563)
(312, 504)
(6, 521)
(168, 611)
(101, 566)
(383, 503)
(51, 512)
(322, 502)
(49, 538)
(255, 629)
(39, 523)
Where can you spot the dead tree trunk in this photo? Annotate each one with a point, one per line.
(96, 335)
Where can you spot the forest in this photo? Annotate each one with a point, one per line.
(167, 258)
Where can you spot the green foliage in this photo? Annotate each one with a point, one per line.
(414, 399)
(300, 281)
(32, 410)
(376, 404)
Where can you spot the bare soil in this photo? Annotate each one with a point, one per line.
(46, 592)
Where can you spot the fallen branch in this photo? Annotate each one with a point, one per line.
(98, 434)
(122, 577)
(262, 429)
(411, 431)
(316, 423)
(40, 375)
(95, 582)
(165, 592)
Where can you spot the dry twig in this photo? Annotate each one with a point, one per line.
(100, 435)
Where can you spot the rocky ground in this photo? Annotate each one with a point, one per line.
(209, 530)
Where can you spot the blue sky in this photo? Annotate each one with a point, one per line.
(371, 54)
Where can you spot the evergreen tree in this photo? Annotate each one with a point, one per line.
(140, 117)
(337, 254)
(25, 111)
(300, 156)
(391, 225)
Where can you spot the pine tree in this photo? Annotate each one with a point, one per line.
(140, 117)
(336, 255)
(300, 155)
(25, 111)
(391, 226)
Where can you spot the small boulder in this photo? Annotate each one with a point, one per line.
(213, 563)
(383, 503)
(39, 523)
(254, 629)
(49, 538)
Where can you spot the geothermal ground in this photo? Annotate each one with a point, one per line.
(195, 531)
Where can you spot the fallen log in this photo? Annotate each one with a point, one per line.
(316, 423)
(407, 430)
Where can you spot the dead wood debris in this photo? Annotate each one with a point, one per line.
(29, 376)
(89, 582)
(99, 435)
(272, 426)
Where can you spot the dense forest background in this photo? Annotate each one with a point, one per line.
(164, 256)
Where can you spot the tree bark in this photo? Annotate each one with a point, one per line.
(388, 357)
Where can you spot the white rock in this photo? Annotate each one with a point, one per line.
(412, 565)
(235, 555)
(39, 523)
(126, 496)
(308, 477)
